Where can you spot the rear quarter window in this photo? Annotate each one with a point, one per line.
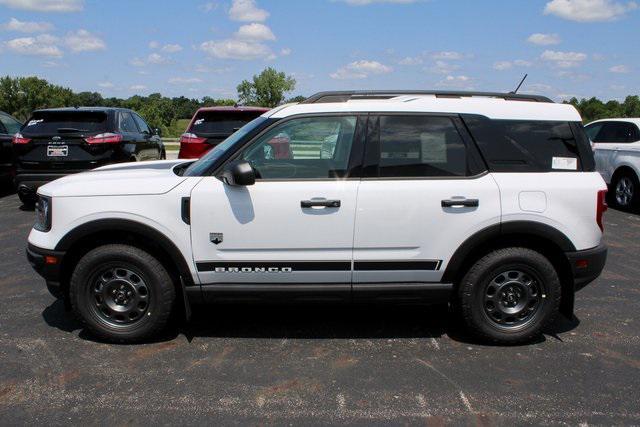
(220, 122)
(527, 145)
(51, 122)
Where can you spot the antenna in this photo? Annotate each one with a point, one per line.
(521, 82)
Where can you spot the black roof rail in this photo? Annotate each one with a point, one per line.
(344, 96)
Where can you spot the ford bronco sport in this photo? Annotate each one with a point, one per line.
(486, 201)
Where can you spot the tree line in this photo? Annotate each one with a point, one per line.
(19, 96)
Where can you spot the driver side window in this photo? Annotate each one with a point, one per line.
(310, 147)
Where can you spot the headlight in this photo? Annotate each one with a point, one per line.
(43, 214)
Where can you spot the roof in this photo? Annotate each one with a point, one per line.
(83, 109)
(492, 105)
(635, 120)
(238, 109)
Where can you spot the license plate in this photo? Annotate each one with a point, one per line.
(58, 150)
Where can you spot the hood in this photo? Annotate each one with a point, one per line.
(122, 179)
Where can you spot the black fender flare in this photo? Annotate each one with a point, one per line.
(130, 226)
(505, 229)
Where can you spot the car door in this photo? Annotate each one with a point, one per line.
(612, 137)
(424, 191)
(150, 141)
(131, 135)
(295, 224)
(8, 128)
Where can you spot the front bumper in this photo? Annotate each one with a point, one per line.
(47, 263)
(587, 265)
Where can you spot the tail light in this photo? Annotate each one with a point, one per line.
(601, 207)
(19, 139)
(104, 138)
(191, 138)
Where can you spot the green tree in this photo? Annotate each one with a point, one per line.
(266, 89)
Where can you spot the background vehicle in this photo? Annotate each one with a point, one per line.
(212, 125)
(8, 127)
(617, 153)
(489, 202)
(57, 142)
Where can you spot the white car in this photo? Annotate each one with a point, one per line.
(617, 152)
(489, 202)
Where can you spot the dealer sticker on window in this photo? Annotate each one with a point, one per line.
(564, 163)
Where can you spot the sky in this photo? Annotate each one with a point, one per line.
(194, 48)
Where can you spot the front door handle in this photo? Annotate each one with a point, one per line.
(460, 203)
(320, 203)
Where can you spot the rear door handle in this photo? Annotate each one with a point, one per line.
(323, 203)
(460, 203)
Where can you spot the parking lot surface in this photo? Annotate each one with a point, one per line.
(320, 365)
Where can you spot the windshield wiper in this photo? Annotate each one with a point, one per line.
(71, 130)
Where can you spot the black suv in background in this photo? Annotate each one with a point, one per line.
(57, 142)
(8, 127)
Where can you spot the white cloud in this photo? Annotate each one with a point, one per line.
(106, 85)
(443, 67)
(26, 27)
(137, 62)
(620, 69)
(84, 41)
(368, 2)
(360, 70)
(285, 51)
(45, 5)
(507, 65)
(247, 11)
(448, 55)
(255, 31)
(563, 59)
(154, 45)
(236, 49)
(544, 39)
(410, 60)
(137, 87)
(589, 10)
(42, 45)
(184, 80)
(205, 69)
(209, 7)
(157, 59)
(171, 48)
(456, 82)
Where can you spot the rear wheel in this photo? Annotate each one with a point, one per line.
(27, 199)
(625, 190)
(510, 295)
(121, 293)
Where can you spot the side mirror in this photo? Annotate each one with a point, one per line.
(239, 173)
(157, 131)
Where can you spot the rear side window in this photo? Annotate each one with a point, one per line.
(9, 125)
(415, 146)
(593, 130)
(53, 122)
(525, 146)
(221, 122)
(127, 124)
(617, 132)
(142, 125)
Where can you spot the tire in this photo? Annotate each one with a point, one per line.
(163, 155)
(121, 293)
(28, 200)
(625, 191)
(509, 296)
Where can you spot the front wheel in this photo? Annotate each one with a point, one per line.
(510, 295)
(626, 189)
(121, 293)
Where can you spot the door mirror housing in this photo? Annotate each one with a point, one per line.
(157, 131)
(239, 173)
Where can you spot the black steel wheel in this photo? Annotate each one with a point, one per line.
(510, 295)
(121, 293)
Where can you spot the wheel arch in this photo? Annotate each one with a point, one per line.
(90, 235)
(543, 238)
(624, 168)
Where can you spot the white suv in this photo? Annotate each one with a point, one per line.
(487, 201)
(617, 151)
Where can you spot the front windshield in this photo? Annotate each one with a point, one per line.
(200, 167)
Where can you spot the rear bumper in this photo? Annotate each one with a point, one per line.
(42, 261)
(587, 265)
(32, 181)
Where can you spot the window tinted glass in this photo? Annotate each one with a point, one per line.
(142, 125)
(593, 130)
(127, 124)
(420, 146)
(314, 147)
(48, 122)
(220, 122)
(525, 146)
(618, 132)
(9, 125)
